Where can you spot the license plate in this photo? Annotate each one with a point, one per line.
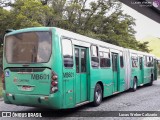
(27, 88)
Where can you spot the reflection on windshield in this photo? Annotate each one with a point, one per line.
(30, 47)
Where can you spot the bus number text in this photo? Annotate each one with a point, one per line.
(39, 76)
(68, 74)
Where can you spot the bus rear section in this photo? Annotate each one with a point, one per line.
(142, 69)
(28, 77)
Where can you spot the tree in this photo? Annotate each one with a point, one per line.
(30, 13)
(102, 19)
(5, 3)
(23, 13)
(5, 22)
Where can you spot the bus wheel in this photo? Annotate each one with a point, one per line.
(97, 95)
(134, 85)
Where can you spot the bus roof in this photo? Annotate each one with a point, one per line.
(76, 36)
(140, 53)
(83, 38)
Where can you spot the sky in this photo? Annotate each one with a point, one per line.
(145, 27)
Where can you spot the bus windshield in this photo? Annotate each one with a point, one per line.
(28, 47)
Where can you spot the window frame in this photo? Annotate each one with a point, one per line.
(81, 49)
(104, 50)
(148, 60)
(121, 55)
(133, 55)
(69, 39)
(49, 31)
(91, 51)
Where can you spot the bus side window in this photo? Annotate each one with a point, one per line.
(67, 53)
(145, 61)
(121, 60)
(134, 60)
(83, 60)
(149, 61)
(94, 56)
(77, 59)
(140, 63)
(104, 57)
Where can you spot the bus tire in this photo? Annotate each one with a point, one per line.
(97, 95)
(134, 85)
(151, 82)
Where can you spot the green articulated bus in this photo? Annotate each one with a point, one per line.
(55, 68)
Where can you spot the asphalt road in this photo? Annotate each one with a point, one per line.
(146, 98)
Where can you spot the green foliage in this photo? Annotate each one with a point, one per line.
(30, 13)
(101, 19)
(5, 22)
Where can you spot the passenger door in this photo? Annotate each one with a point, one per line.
(68, 73)
(141, 70)
(81, 74)
(115, 71)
